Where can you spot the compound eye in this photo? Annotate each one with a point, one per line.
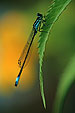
(38, 14)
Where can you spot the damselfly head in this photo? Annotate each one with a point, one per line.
(39, 15)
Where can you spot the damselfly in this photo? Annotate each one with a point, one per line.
(36, 27)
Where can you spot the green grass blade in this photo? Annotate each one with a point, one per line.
(67, 79)
(52, 15)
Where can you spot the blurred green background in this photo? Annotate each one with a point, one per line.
(16, 20)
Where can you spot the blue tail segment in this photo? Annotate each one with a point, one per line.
(17, 80)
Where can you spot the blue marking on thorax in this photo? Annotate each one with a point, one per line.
(36, 24)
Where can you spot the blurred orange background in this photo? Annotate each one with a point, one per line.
(14, 26)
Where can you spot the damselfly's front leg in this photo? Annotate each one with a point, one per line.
(40, 29)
